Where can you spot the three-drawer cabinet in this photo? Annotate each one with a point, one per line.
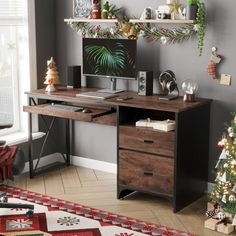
(171, 164)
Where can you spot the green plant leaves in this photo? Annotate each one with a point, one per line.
(107, 60)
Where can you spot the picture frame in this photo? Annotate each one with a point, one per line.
(82, 8)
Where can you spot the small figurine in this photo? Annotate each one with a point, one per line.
(52, 77)
(105, 10)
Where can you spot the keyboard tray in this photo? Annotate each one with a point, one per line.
(43, 109)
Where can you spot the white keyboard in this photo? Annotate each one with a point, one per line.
(96, 95)
(64, 107)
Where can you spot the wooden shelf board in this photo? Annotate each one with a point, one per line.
(91, 20)
(131, 20)
(162, 21)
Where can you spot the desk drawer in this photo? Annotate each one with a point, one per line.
(147, 140)
(147, 172)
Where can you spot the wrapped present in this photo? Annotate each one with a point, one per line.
(211, 206)
(211, 223)
(225, 229)
(220, 225)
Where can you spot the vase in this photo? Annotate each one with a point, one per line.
(191, 12)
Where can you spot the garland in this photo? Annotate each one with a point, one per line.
(164, 35)
(176, 35)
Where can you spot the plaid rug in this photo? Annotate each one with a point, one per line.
(55, 217)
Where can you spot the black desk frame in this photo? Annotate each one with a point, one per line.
(34, 168)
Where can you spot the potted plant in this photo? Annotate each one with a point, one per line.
(192, 8)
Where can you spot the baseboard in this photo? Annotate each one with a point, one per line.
(94, 164)
(77, 161)
(46, 160)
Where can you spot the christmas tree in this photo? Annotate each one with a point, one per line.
(52, 77)
(224, 191)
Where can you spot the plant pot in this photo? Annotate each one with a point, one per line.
(191, 12)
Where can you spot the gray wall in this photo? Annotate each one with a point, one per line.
(182, 58)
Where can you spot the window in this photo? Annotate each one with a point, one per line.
(17, 61)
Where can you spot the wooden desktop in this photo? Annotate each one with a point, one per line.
(172, 164)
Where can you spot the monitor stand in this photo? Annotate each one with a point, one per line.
(112, 87)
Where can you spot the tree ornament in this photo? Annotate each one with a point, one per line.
(231, 135)
(221, 215)
(232, 198)
(52, 77)
(163, 40)
(233, 162)
(226, 165)
(222, 142)
(230, 130)
(223, 155)
(224, 199)
(223, 178)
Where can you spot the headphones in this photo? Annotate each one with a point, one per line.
(168, 81)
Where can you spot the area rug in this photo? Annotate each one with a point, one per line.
(55, 217)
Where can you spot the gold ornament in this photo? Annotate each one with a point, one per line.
(174, 9)
(232, 198)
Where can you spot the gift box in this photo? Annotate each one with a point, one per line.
(211, 224)
(225, 229)
(210, 206)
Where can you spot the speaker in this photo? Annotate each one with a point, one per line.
(145, 83)
(74, 77)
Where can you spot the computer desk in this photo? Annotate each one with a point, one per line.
(172, 164)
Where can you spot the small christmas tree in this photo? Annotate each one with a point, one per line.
(224, 191)
(52, 77)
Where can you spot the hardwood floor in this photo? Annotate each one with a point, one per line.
(98, 189)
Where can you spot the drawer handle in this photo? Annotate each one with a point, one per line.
(148, 141)
(148, 173)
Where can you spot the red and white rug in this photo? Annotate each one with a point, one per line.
(55, 217)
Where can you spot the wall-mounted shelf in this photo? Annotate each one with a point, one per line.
(155, 21)
(87, 20)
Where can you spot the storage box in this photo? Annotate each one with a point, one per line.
(164, 125)
(145, 123)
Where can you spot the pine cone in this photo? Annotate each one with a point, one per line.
(211, 69)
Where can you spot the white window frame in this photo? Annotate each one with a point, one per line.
(21, 135)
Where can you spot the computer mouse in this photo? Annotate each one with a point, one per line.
(86, 110)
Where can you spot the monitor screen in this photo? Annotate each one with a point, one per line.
(109, 57)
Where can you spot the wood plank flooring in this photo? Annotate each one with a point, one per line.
(98, 189)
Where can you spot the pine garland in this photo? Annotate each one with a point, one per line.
(176, 35)
(96, 31)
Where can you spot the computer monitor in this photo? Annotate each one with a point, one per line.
(110, 58)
